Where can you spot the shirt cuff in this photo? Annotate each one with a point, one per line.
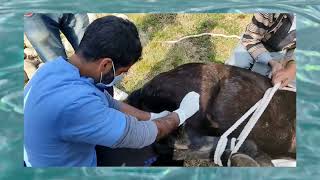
(264, 58)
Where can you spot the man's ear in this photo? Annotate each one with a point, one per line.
(105, 65)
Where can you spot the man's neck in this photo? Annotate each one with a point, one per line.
(85, 68)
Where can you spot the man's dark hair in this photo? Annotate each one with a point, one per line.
(111, 37)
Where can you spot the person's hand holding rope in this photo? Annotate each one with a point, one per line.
(285, 75)
(275, 67)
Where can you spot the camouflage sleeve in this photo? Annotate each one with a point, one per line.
(255, 32)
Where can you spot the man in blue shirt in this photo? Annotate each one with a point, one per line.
(67, 112)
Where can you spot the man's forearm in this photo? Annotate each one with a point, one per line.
(130, 110)
(138, 134)
(143, 133)
(167, 124)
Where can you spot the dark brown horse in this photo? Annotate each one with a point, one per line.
(226, 93)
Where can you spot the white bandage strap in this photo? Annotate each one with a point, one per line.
(257, 111)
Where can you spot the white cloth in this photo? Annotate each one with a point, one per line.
(284, 162)
(188, 106)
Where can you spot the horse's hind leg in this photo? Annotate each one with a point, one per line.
(256, 156)
(197, 147)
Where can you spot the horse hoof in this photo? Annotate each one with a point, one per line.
(242, 160)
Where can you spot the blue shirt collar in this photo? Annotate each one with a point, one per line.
(76, 69)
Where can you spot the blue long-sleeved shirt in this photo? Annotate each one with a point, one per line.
(65, 116)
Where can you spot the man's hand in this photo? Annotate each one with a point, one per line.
(275, 67)
(285, 76)
(159, 115)
(188, 106)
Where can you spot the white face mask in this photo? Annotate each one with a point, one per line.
(115, 80)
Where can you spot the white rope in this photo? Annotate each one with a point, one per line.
(203, 34)
(257, 111)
